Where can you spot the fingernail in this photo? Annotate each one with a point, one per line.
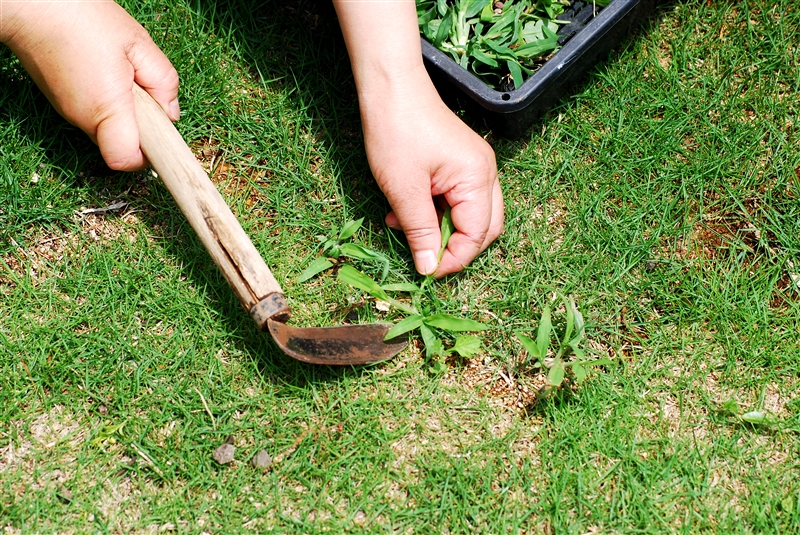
(175, 110)
(426, 262)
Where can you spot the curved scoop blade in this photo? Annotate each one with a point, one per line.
(345, 345)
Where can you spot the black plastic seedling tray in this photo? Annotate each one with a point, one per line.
(511, 113)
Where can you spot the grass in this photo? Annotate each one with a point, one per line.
(662, 194)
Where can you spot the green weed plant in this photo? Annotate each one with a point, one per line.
(568, 345)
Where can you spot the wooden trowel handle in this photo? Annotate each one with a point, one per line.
(207, 213)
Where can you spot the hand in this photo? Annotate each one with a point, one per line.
(419, 150)
(85, 57)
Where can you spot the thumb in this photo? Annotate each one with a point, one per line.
(418, 220)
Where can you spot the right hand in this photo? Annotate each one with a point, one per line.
(85, 57)
(419, 151)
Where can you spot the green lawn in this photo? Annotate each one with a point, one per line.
(663, 194)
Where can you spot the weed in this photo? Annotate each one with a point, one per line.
(569, 344)
(336, 246)
(423, 316)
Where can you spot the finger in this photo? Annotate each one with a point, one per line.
(416, 216)
(477, 224)
(392, 222)
(154, 72)
(118, 137)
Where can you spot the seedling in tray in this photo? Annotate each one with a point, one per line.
(501, 42)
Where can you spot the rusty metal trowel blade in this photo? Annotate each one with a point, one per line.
(337, 346)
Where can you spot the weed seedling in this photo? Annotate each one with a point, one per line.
(574, 333)
(336, 246)
(422, 316)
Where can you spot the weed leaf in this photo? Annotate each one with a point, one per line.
(353, 277)
(556, 374)
(353, 250)
(543, 334)
(466, 346)
(579, 326)
(428, 338)
(315, 268)
(530, 346)
(570, 322)
(598, 362)
(447, 231)
(401, 327)
(754, 417)
(349, 229)
(579, 371)
(579, 353)
(450, 323)
(401, 287)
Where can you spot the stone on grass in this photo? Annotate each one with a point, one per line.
(224, 454)
(261, 460)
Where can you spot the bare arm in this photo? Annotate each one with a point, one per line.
(417, 148)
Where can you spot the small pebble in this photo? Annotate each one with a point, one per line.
(497, 11)
(498, 5)
(224, 454)
(102, 409)
(261, 460)
(651, 265)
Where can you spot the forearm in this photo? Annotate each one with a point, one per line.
(383, 42)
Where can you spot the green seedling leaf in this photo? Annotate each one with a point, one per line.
(598, 362)
(349, 229)
(536, 48)
(556, 374)
(401, 327)
(543, 333)
(450, 323)
(359, 252)
(443, 31)
(485, 59)
(530, 346)
(487, 13)
(353, 277)
(315, 268)
(401, 287)
(570, 323)
(516, 72)
(755, 417)
(474, 7)
(447, 231)
(428, 338)
(466, 346)
(579, 371)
